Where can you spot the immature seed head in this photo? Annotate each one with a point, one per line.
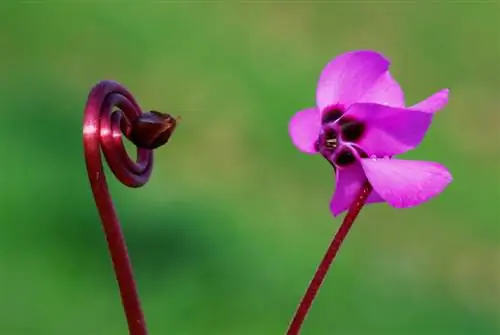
(152, 129)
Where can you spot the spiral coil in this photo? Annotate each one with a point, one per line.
(103, 128)
(110, 113)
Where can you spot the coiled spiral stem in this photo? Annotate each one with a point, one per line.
(110, 111)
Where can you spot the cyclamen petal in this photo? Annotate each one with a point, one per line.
(304, 128)
(348, 184)
(434, 103)
(406, 183)
(389, 131)
(348, 77)
(369, 118)
(385, 91)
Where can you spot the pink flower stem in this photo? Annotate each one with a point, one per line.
(323, 267)
(102, 130)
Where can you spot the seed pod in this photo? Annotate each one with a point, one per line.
(152, 129)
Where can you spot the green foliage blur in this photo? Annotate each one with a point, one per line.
(228, 232)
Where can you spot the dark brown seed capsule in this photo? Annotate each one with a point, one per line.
(152, 129)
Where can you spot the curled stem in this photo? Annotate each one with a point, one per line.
(110, 111)
(323, 267)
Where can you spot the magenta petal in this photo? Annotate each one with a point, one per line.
(406, 183)
(304, 129)
(348, 77)
(385, 91)
(434, 103)
(348, 185)
(389, 131)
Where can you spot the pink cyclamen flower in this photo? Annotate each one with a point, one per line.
(359, 123)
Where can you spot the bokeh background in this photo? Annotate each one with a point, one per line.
(228, 232)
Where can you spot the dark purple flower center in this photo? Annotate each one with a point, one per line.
(352, 130)
(345, 157)
(330, 139)
(332, 114)
(338, 130)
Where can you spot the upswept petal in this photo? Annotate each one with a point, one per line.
(348, 77)
(389, 131)
(385, 91)
(304, 128)
(434, 103)
(406, 183)
(348, 184)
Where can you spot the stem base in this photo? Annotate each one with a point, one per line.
(327, 260)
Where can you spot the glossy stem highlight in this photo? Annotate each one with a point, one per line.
(110, 112)
(323, 267)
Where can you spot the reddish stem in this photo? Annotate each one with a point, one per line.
(323, 267)
(102, 130)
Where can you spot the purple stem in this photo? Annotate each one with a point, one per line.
(102, 130)
(323, 267)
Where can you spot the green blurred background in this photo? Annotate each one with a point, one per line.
(234, 221)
